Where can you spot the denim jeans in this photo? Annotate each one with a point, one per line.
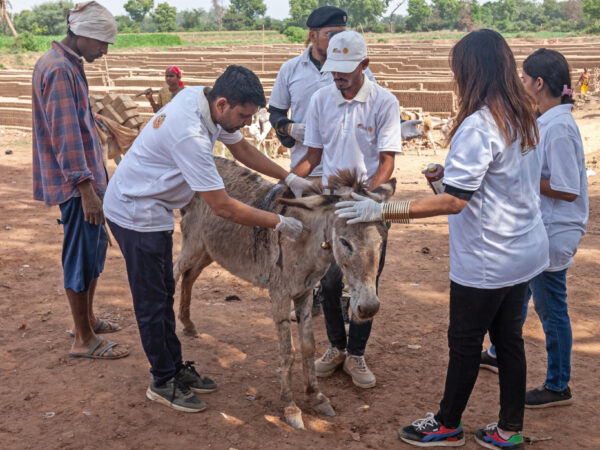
(330, 294)
(473, 312)
(549, 291)
(149, 262)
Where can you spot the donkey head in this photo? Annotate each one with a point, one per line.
(356, 248)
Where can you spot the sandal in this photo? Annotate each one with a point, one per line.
(101, 349)
(102, 326)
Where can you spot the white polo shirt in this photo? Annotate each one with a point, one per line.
(170, 159)
(352, 133)
(498, 239)
(297, 80)
(563, 163)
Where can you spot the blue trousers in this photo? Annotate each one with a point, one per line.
(149, 261)
(549, 291)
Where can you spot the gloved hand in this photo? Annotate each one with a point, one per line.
(409, 130)
(298, 185)
(296, 130)
(288, 226)
(362, 210)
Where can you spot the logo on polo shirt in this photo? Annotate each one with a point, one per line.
(368, 128)
(159, 121)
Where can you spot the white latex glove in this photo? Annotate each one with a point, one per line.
(296, 130)
(409, 130)
(288, 226)
(298, 185)
(362, 210)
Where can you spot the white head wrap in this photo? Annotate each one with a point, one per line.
(92, 20)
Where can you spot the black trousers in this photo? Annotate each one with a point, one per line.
(149, 261)
(473, 312)
(330, 294)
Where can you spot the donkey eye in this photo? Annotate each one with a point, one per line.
(346, 244)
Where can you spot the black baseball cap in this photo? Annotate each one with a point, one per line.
(327, 16)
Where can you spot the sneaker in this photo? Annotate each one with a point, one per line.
(428, 432)
(488, 362)
(176, 395)
(356, 367)
(329, 362)
(192, 379)
(543, 397)
(489, 437)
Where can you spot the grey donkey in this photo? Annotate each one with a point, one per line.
(289, 270)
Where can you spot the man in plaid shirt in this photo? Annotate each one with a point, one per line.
(68, 168)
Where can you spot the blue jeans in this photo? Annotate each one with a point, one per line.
(550, 301)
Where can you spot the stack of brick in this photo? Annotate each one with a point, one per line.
(120, 108)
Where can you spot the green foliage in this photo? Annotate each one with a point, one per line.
(418, 12)
(295, 34)
(300, 10)
(360, 12)
(592, 9)
(593, 29)
(25, 42)
(447, 11)
(164, 17)
(251, 9)
(234, 21)
(46, 18)
(138, 9)
(126, 25)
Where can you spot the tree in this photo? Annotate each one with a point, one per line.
(250, 9)
(591, 8)
(164, 17)
(418, 11)
(476, 15)
(364, 12)
(137, 9)
(447, 11)
(47, 18)
(300, 10)
(219, 12)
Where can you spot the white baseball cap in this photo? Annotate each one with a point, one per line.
(345, 52)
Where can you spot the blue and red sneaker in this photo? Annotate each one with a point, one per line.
(428, 432)
(489, 437)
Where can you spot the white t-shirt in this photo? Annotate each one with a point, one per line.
(353, 133)
(563, 163)
(297, 80)
(170, 159)
(498, 239)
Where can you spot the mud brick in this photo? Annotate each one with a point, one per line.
(97, 107)
(131, 123)
(122, 106)
(126, 115)
(110, 112)
(109, 99)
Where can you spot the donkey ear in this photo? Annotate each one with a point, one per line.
(311, 203)
(384, 192)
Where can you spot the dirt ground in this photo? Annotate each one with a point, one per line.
(52, 401)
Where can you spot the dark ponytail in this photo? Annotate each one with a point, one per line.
(552, 67)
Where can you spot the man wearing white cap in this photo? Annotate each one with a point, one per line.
(354, 125)
(68, 169)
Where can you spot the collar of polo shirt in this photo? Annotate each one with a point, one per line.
(361, 96)
(204, 109)
(553, 112)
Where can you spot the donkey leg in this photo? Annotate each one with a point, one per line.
(320, 402)
(281, 315)
(187, 283)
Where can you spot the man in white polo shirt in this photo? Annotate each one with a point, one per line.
(353, 124)
(170, 160)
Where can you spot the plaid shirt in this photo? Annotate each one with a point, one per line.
(66, 145)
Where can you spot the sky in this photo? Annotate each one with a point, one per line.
(278, 9)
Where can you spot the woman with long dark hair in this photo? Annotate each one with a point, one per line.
(565, 209)
(497, 237)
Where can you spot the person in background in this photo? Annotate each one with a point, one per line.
(166, 93)
(565, 210)
(584, 81)
(68, 169)
(497, 238)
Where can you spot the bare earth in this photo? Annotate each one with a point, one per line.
(52, 401)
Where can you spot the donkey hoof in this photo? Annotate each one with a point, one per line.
(323, 406)
(293, 417)
(190, 331)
